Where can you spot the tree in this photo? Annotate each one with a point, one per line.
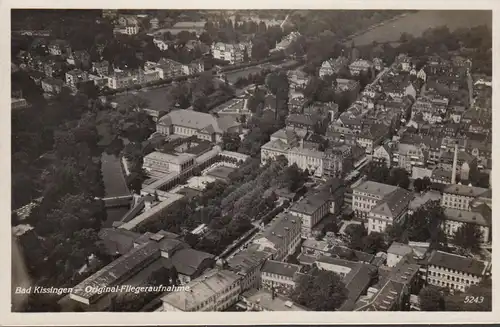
(431, 299)
(260, 49)
(231, 141)
(399, 177)
(421, 185)
(355, 234)
(468, 236)
(322, 290)
(374, 243)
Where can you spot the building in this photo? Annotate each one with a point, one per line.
(392, 208)
(333, 189)
(194, 67)
(122, 79)
(141, 255)
(76, 76)
(331, 66)
(392, 291)
(309, 159)
(19, 103)
(52, 85)
(372, 136)
(155, 23)
(359, 66)
(266, 300)
(282, 235)
(315, 248)
(311, 209)
(233, 53)
(205, 126)
(455, 272)
(286, 41)
(367, 195)
(59, 48)
(356, 276)
(461, 197)
(396, 252)
(338, 160)
(383, 153)
(80, 59)
(248, 263)
(101, 68)
(216, 290)
(167, 163)
(279, 276)
(479, 216)
(169, 68)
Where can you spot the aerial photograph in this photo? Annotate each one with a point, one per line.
(251, 160)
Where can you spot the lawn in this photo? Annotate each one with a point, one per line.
(417, 23)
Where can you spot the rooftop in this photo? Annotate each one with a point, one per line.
(117, 270)
(393, 204)
(187, 261)
(280, 268)
(456, 262)
(265, 299)
(375, 189)
(311, 203)
(280, 226)
(199, 121)
(246, 260)
(471, 217)
(178, 158)
(464, 190)
(399, 249)
(201, 289)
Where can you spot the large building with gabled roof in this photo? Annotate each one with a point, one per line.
(186, 122)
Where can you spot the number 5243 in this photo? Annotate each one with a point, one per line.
(474, 299)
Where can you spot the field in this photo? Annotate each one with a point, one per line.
(233, 76)
(417, 23)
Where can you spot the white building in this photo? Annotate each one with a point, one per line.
(122, 79)
(461, 197)
(282, 235)
(455, 272)
(396, 252)
(311, 210)
(359, 66)
(367, 195)
(233, 53)
(168, 163)
(216, 290)
(392, 208)
(279, 276)
(205, 126)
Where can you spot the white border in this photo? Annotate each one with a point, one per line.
(8, 318)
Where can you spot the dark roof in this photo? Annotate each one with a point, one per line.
(311, 203)
(356, 283)
(117, 270)
(187, 261)
(247, 260)
(280, 268)
(393, 204)
(464, 190)
(117, 240)
(456, 262)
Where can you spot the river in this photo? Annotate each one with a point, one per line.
(114, 185)
(417, 23)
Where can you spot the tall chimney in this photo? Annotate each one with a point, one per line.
(454, 169)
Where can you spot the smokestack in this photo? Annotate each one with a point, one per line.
(454, 169)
